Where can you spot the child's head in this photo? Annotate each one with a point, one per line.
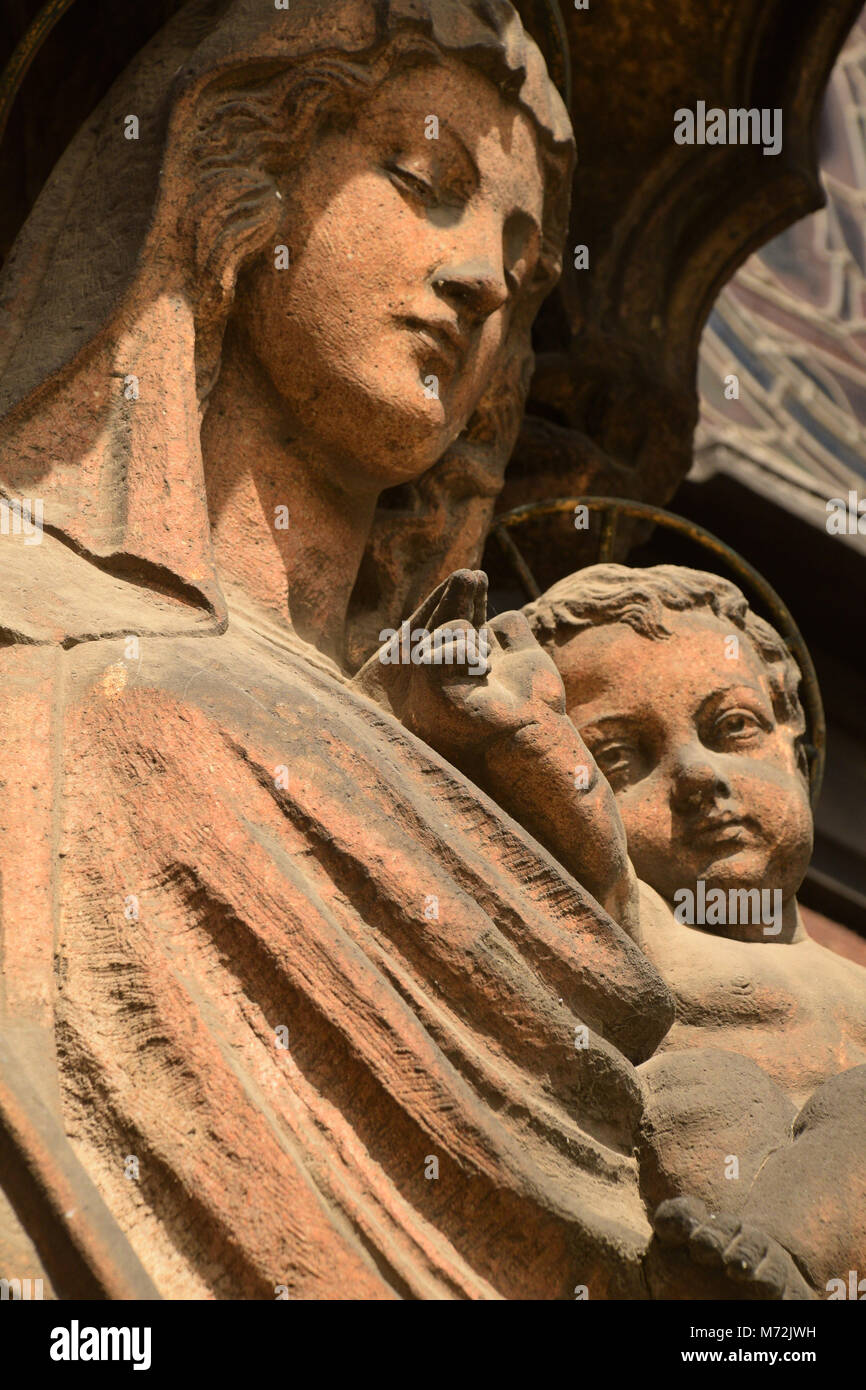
(688, 702)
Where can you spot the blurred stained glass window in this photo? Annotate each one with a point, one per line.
(791, 326)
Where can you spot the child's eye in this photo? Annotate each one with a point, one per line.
(615, 760)
(738, 724)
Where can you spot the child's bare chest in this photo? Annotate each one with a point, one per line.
(793, 1009)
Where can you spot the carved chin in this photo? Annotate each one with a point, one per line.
(400, 439)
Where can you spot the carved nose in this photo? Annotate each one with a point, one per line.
(696, 783)
(473, 291)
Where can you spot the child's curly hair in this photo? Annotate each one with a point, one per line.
(639, 597)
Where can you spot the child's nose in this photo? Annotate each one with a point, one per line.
(696, 780)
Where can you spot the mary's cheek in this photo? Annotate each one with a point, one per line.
(479, 368)
(494, 336)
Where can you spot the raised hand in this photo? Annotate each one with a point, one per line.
(501, 718)
(457, 605)
(466, 715)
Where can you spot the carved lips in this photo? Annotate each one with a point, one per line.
(442, 337)
(723, 828)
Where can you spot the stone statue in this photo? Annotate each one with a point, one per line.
(324, 974)
(309, 1014)
(653, 743)
(687, 702)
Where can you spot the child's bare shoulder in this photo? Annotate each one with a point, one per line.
(829, 965)
(785, 982)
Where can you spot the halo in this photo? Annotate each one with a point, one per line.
(754, 583)
(34, 37)
(553, 42)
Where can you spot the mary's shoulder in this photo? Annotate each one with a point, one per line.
(52, 595)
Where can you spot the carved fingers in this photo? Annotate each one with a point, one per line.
(460, 597)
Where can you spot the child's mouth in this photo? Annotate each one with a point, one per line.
(721, 829)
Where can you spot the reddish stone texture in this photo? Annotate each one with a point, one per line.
(318, 985)
(688, 704)
(304, 1000)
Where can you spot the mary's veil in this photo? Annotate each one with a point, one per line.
(100, 397)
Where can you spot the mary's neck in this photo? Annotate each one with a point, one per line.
(259, 469)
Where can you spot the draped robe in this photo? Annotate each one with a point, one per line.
(360, 1034)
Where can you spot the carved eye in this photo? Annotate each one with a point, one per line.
(416, 185)
(738, 726)
(615, 760)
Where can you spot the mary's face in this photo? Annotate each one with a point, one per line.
(412, 237)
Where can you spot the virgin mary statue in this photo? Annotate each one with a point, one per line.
(290, 1008)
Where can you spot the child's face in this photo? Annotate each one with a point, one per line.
(707, 782)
